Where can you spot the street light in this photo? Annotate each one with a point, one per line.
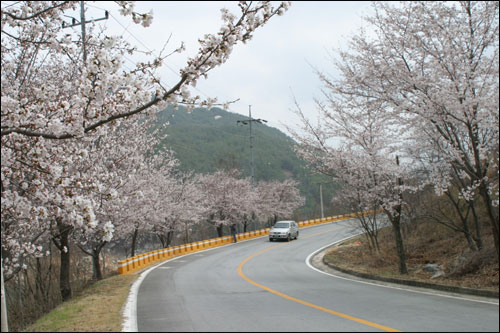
(249, 122)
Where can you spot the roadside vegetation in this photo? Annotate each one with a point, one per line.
(426, 244)
(97, 308)
(443, 244)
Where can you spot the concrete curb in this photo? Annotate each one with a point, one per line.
(459, 290)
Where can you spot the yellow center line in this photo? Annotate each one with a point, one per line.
(342, 315)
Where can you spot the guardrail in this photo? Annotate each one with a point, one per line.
(143, 260)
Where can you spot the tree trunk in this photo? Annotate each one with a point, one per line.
(220, 230)
(170, 236)
(396, 227)
(162, 239)
(64, 273)
(96, 264)
(166, 239)
(134, 242)
(483, 191)
(39, 284)
(465, 230)
(478, 239)
(471, 242)
(245, 225)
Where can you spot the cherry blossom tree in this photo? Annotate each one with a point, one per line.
(278, 199)
(142, 206)
(54, 200)
(358, 144)
(435, 65)
(62, 91)
(466, 208)
(182, 206)
(228, 198)
(97, 90)
(425, 79)
(362, 201)
(114, 158)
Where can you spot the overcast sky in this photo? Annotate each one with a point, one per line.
(267, 71)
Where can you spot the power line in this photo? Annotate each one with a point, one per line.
(175, 72)
(149, 50)
(12, 4)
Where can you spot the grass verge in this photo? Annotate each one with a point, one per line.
(96, 309)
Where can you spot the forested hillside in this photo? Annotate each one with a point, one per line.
(205, 141)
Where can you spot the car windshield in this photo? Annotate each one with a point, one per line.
(280, 225)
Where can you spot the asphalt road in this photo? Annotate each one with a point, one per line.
(265, 286)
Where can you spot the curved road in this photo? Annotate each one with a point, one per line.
(257, 285)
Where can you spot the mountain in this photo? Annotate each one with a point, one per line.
(207, 140)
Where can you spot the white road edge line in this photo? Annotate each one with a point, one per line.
(130, 310)
(308, 259)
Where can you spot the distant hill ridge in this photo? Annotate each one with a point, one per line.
(207, 140)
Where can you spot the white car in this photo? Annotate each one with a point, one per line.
(284, 230)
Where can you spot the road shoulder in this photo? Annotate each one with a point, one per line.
(318, 262)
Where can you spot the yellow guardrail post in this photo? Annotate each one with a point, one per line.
(122, 264)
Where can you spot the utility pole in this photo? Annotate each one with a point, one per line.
(249, 122)
(5, 325)
(82, 22)
(321, 198)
